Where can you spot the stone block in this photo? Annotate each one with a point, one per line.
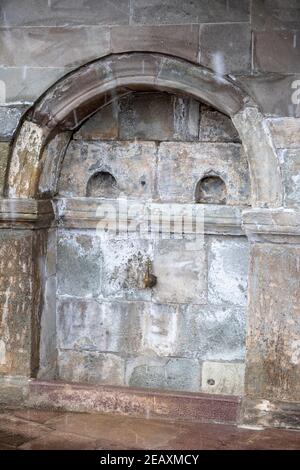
(277, 51)
(39, 13)
(223, 377)
(164, 373)
(160, 329)
(91, 367)
(211, 333)
(290, 159)
(124, 267)
(9, 119)
(227, 270)
(101, 126)
(147, 116)
(174, 12)
(285, 132)
(179, 40)
(89, 325)
(78, 264)
(181, 165)
(225, 48)
(27, 84)
(216, 127)
(271, 15)
(56, 46)
(4, 151)
(272, 92)
(131, 163)
(273, 352)
(181, 273)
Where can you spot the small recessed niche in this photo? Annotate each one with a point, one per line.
(102, 184)
(210, 190)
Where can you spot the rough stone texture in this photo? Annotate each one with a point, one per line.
(273, 320)
(16, 290)
(93, 325)
(227, 271)
(9, 120)
(181, 272)
(224, 378)
(78, 254)
(130, 163)
(216, 127)
(164, 373)
(285, 132)
(4, 150)
(225, 48)
(182, 165)
(91, 367)
(290, 159)
(210, 332)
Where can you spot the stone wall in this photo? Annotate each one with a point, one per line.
(188, 332)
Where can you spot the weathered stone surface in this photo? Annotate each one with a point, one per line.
(181, 272)
(211, 333)
(227, 270)
(154, 11)
(155, 116)
(4, 150)
(160, 329)
(39, 13)
(124, 267)
(216, 127)
(102, 125)
(58, 46)
(285, 132)
(131, 164)
(182, 165)
(16, 287)
(164, 373)
(91, 367)
(291, 176)
(223, 377)
(277, 51)
(275, 15)
(225, 48)
(273, 357)
(13, 390)
(9, 119)
(262, 158)
(90, 325)
(179, 40)
(79, 264)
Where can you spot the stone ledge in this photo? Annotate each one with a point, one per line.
(134, 402)
(25, 213)
(272, 225)
(82, 213)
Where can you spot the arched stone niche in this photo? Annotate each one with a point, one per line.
(33, 175)
(73, 99)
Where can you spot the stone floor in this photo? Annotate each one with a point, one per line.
(37, 429)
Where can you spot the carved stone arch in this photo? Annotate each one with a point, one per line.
(82, 92)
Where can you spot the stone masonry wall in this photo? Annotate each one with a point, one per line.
(188, 332)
